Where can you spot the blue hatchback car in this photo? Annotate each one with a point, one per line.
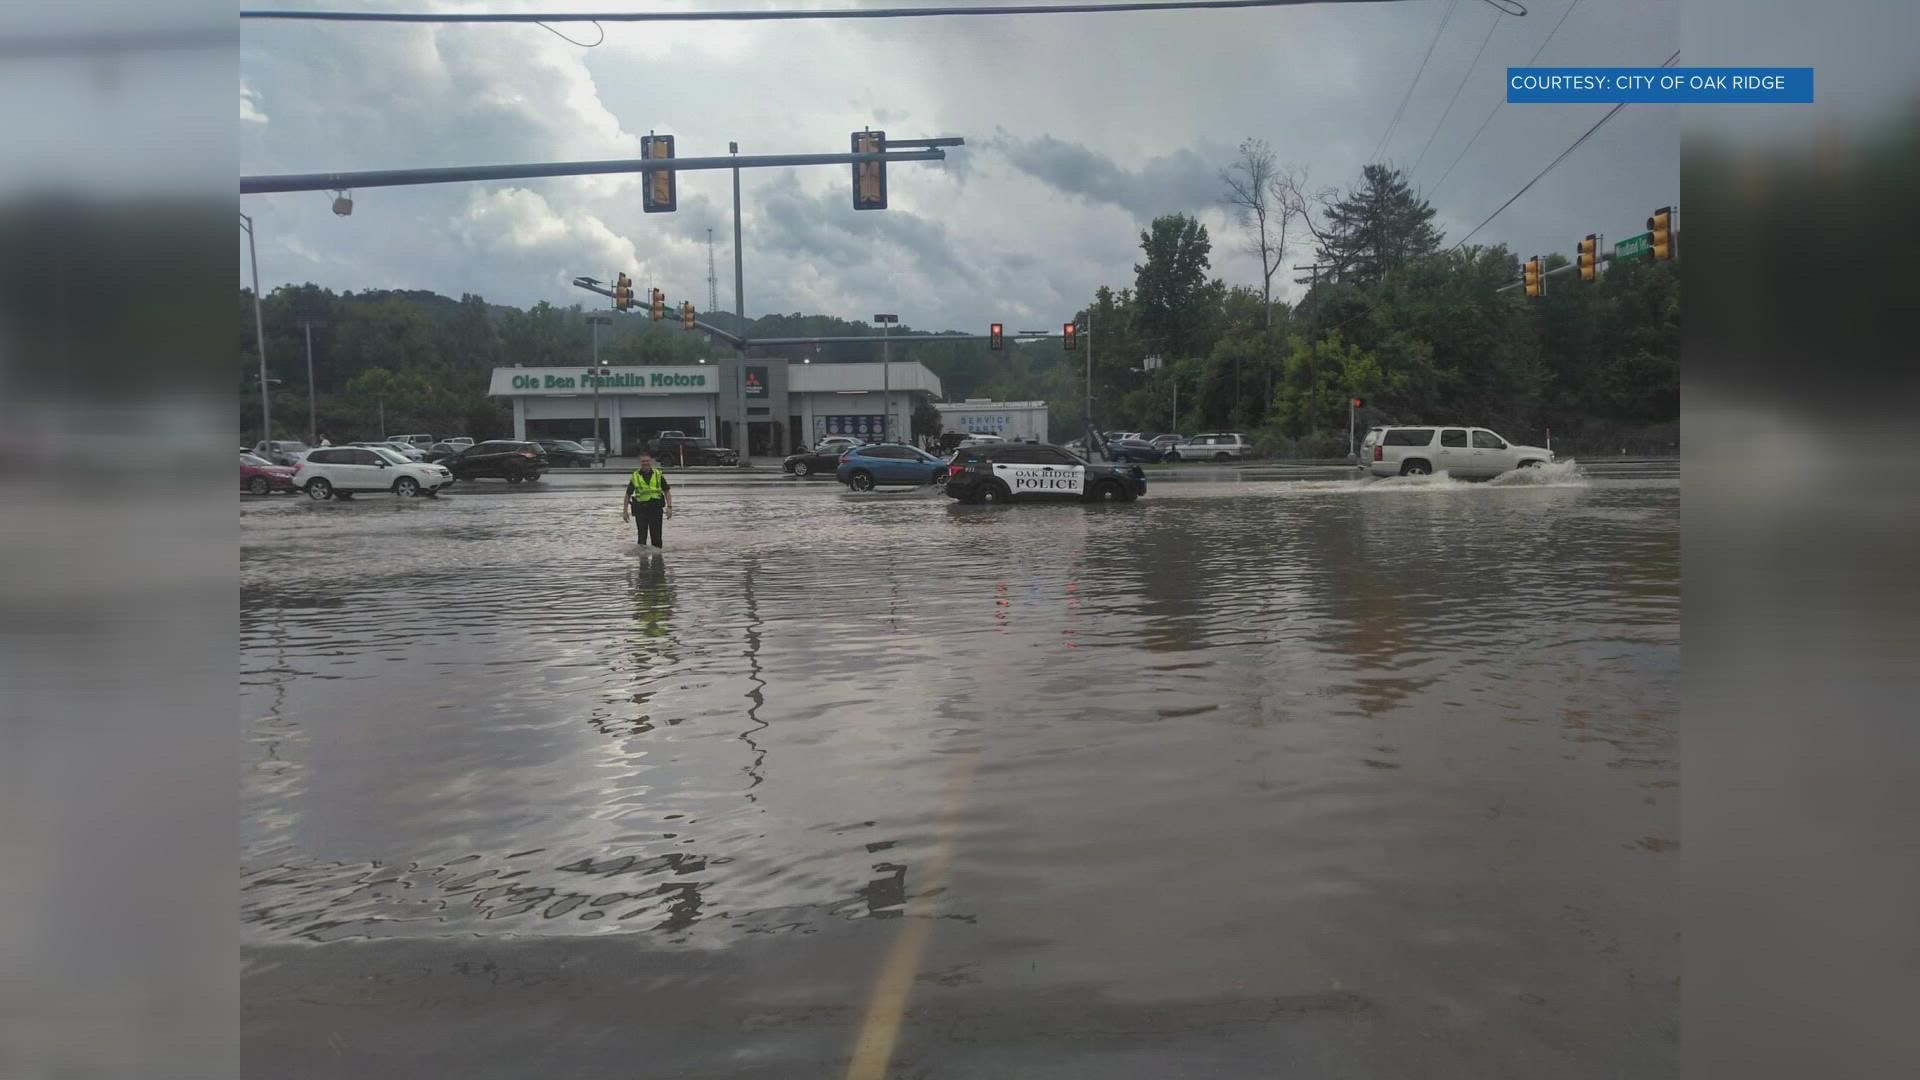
(864, 468)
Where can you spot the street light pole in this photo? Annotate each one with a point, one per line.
(260, 339)
(886, 377)
(740, 313)
(599, 442)
(313, 433)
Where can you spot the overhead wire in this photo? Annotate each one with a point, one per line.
(1408, 96)
(1461, 85)
(1611, 113)
(1503, 100)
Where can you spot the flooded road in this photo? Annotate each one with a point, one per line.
(1313, 778)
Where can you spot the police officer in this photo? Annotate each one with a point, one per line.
(648, 499)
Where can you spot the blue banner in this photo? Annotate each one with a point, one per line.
(1562, 85)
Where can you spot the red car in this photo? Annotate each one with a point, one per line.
(261, 477)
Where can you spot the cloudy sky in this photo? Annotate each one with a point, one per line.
(1079, 130)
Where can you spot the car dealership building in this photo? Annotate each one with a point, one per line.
(786, 404)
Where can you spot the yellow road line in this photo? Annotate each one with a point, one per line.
(893, 989)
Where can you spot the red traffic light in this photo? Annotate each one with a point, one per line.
(1070, 335)
(994, 334)
(1359, 403)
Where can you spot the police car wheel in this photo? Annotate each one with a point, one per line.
(994, 493)
(861, 481)
(1108, 492)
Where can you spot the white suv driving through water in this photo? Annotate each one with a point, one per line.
(1465, 453)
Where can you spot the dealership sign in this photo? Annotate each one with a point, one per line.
(625, 380)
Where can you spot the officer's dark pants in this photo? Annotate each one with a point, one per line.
(648, 517)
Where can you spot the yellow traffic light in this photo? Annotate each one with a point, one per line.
(1536, 277)
(869, 177)
(1661, 226)
(659, 305)
(660, 195)
(1590, 257)
(687, 315)
(622, 292)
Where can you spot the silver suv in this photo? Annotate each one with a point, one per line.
(1465, 453)
(1214, 446)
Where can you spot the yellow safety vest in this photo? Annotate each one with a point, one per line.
(645, 490)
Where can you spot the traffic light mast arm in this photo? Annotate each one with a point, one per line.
(1569, 268)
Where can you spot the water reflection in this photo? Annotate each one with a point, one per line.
(550, 735)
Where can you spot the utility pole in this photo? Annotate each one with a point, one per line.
(886, 380)
(740, 310)
(307, 323)
(599, 440)
(1096, 301)
(380, 398)
(713, 281)
(260, 339)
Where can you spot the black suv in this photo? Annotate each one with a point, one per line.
(688, 450)
(503, 458)
(1005, 472)
(565, 453)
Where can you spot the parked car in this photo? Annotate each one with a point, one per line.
(565, 453)
(504, 459)
(1466, 453)
(341, 472)
(418, 441)
(460, 441)
(864, 468)
(1135, 450)
(281, 451)
(687, 450)
(591, 445)
(1167, 442)
(822, 459)
(262, 477)
(1213, 446)
(671, 435)
(1024, 472)
(405, 450)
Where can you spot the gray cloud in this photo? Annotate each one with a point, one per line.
(1187, 179)
(1070, 150)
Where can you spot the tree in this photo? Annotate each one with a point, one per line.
(1173, 298)
(926, 421)
(1249, 182)
(1376, 229)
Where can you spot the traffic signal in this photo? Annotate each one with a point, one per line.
(659, 305)
(687, 315)
(622, 292)
(869, 177)
(660, 197)
(1070, 336)
(1536, 277)
(993, 336)
(1590, 257)
(1359, 403)
(1661, 226)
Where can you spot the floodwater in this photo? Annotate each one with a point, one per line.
(1311, 778)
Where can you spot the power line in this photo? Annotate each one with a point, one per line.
(1551, 164)
(1503, 100)
(1511, 7)
(1462, 85)
(1399, 112)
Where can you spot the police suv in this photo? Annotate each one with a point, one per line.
(1006, 472)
